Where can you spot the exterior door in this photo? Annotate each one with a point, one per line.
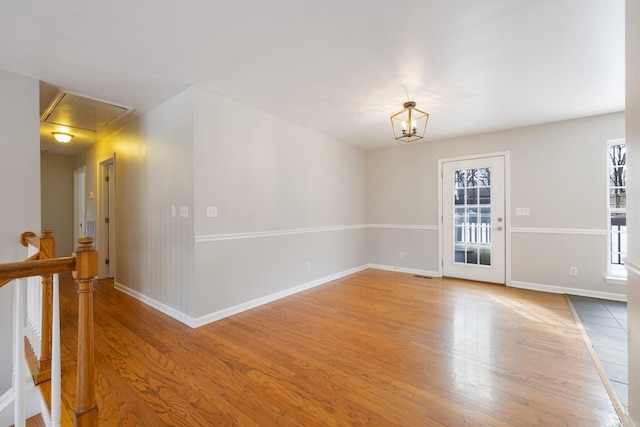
(473, 219)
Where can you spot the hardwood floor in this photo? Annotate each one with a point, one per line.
(36, 421)
(374, 348)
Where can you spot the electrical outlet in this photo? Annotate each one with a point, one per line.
(184, 211)
(573, 271)
(212, 211)
(401, 255)
(309, 266)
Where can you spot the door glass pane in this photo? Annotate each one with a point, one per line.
(485, 255)
(469, 234)
(459, 216)
(472, 178)
(472, 216)
(472, 196)
(472, 255)
(485, 195)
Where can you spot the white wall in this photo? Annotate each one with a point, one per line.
(56, 183)
(633, 210)
(558, 171)
(265, 176)
(20, 191)
(291, 205)
(154, 170)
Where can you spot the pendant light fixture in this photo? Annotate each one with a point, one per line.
(409, 124)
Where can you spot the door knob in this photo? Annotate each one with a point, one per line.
(499, 228)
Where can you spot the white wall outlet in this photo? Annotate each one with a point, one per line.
(173, 211)
(212, 211)
(184, 211)
(522, 211)
(309, 266)
(573, 271)
(401, 255)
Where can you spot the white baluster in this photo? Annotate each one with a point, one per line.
(55, 356)
(18, 355)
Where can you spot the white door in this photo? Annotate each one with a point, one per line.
(79, 209)
(107, 229)
(473, 219)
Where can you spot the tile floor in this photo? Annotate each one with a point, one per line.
(606, 325)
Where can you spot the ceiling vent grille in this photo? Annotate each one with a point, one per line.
(81, 112)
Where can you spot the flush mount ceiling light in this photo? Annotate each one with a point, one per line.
(62, 137)
(409, 124)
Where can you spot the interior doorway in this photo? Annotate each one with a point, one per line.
(473, 207)
(106, 219)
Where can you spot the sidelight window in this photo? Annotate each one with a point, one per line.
(617, 206)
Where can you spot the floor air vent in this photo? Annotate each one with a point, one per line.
(422, 277)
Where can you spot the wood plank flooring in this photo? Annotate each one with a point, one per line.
(375, 348)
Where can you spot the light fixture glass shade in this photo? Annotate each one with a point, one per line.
(62, 137)
(409, 124)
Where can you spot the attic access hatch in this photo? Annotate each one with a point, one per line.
(76, 111)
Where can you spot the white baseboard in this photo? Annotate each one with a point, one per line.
(230, 311)
(169, 311)
(209, 318)
(565, 290)
(405, 270)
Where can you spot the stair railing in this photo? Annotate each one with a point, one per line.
(39, 299)
(84, 267)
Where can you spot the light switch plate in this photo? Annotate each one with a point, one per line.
(522, 211)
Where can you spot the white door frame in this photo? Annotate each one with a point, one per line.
(507, 207)
(105, 236)
(79, 204)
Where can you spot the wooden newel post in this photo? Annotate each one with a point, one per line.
(86, 255)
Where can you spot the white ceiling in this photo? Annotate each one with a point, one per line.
(339, 67)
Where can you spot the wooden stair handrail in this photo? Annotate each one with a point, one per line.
(8, 278)
(45, 251)
(84, 267)
(40, 267)
(29, 238)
